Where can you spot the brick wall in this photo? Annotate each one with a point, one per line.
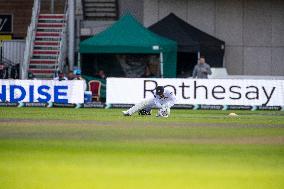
(22, 12)
(58, 7)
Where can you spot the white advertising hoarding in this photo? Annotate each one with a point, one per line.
(42, 91)
(199, 91)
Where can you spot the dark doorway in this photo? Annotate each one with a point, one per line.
(121, 65)
(185, 64)
(92, 63)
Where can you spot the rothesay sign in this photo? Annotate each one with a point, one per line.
(199, 91)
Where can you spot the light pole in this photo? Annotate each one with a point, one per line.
(52, 6)
(158, 48)
(71, 29)
(162, 64)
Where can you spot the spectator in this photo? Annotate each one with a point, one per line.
(31, 76)
(201, 69)
(100, 74)
(60, 76)
(77, 75)
(147, 72)
(2, 71)
(70, 75)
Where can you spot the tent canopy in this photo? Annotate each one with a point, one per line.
(190, 39)
(128, 36)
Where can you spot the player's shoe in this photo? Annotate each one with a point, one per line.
(159, 115)
(125, 113)
(144, 112)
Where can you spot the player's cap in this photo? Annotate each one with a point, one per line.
(159, 90)
(77, 72)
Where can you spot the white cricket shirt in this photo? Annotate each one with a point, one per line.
(168, 100)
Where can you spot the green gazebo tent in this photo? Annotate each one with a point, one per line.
(128, 36)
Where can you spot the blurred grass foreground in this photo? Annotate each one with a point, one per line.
(98, 148)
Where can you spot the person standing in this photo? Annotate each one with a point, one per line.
(201, 69)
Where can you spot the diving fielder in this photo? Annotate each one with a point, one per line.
(163, 99)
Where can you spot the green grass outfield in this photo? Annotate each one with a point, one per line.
(56, 148)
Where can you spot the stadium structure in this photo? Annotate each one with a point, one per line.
(42, 36)
(107, 124)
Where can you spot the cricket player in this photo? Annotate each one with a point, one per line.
(163, 99)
